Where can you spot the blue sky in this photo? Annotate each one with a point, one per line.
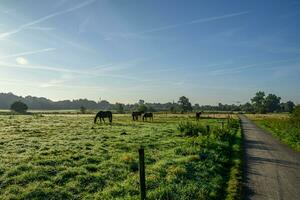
(125, 50)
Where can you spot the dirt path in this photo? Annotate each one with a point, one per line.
(272, 170)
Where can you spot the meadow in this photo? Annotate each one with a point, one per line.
(280, 126)
(68, 157)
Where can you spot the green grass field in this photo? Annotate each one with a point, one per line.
(68, 157)
(280, 126)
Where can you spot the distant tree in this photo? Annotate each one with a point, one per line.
(82, 109)
(197, 107)
(19, 107)
(272, 103)
(120, 108)
(172, 109)
(141, 102)
(258, 102)
(287, 106)
(142, 108)
(247, 107)
(185, 104)
(151, 109)
(104, 105)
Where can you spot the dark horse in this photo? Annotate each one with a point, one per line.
(148, 115)
(136, 115)
(102, 115)
(198, 114)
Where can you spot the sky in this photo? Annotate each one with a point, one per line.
(126, 50)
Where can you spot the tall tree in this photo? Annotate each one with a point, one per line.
(272, 103)
(185, 104)
(258, 102)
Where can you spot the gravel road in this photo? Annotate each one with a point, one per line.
(272, 169)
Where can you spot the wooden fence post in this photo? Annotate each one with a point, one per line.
(207, 128)
(142, 173)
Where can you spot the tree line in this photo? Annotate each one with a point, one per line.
(260, 103)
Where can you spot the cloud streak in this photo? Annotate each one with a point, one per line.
(55, 14)
(197, 21)
(92, 73)
(245, 67)
(27, 53)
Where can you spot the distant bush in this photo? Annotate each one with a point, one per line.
(295, 115)
(19, 107)
(191, 129)
(83, 110)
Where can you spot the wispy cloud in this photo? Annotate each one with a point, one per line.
(38, 67)
(93, 72)
(55, 14)
(27, 53)
(68, 41)
(39, 28)
(245, 67)
(84, 24)
(197, 21)
(52, 83)
(57, 82)
(146, 33)
(119, 65)
(209, 19)
(8, 12)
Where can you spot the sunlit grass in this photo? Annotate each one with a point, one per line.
(68, 157)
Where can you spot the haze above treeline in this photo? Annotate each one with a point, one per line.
(260, 103)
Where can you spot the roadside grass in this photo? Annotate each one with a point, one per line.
(68, 157)
(234, 186)
(281, 127)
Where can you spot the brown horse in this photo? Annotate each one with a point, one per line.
(136, 115)
(102, 115)
(198, 115)
(148, 115)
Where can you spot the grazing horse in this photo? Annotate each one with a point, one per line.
(136, 115)
(148, 115)
(198, 114)
(102, 115)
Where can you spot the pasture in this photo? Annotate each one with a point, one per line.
(68, 157)
(280, 126)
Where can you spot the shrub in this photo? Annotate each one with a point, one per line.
(191, 129)
(295, 116)
(19, 107)
(82, 110)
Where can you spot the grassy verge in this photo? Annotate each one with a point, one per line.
(281, 128)
(234, 186)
